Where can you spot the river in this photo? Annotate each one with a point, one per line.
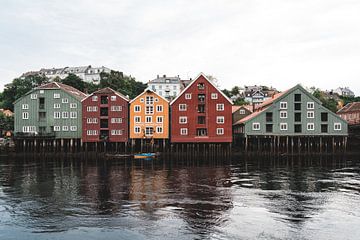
(245, 197)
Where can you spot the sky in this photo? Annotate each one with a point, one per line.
(278, 43)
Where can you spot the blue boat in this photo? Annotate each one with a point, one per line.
(145, 155)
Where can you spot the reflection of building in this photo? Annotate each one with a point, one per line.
(350, 112)
(168, 87)
(345, 92)
(86, 73)
(105, 116)
(201, 113)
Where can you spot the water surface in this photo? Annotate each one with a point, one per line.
(84, 197)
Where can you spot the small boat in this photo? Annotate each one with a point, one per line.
(145, 155)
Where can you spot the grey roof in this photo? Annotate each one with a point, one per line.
(165, 80)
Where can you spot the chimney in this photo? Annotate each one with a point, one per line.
(157, 76)
(164, 75)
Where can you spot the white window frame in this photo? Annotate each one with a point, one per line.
(116, 108)
(65, 128)
(310, 114)
(220, 107)
(188, 96)
(149, 100)
(310, 105)
(25, 106)
(73, 105)
(73, 114)
(214, 96)
(159, 108)
(219, 131)
(146, 132)
(73, 128)
(159, 117)
(219, 121)
(116, 132)
(147, 118)
(65, 115)
(116, 120)
(183, 131)
(157, 129)
(56, 95)
(25, 115)
(57, 105)
(137, 108)
(149, 109)
(310, 128)
(65, 100)
(283, 105)
(182, 107)
(137, 117)
(57, 128)
(94, 98)
(33, 96)
(337, 126)
(283, 112)
(57, 115)
(183, 118)
(285, 125)
(113, 98)
(254, 128)
(242, 111)
(136, 128)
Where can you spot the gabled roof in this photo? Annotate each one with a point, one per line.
(108, 90)
(249, 117)
(247, 107)
(192, 82)
(235, 108)
(69, 89)
(148, 90)
(350, 107)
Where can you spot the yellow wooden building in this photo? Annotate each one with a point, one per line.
(149, 119)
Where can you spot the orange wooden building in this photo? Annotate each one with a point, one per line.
(149, 120)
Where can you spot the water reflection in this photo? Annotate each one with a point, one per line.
(242, 197)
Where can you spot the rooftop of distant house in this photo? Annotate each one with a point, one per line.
(350, 107)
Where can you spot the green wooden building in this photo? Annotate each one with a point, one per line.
(293, 113)
(52, 111)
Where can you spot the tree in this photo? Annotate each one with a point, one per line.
(74, 81)
(6, 123)
(235, 91)
(19, 87)
(227, 93)
(213, 79)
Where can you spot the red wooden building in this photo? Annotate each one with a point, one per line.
(201, 114)
(105, 117)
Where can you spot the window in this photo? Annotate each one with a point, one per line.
(25, 106)
(65, 114)
(201, 97)
(29, 129)
(201, 120)
(137, 129)
(148, 119)
(182, 107)
(73, 114)
(159, 119)
(201, 108)
(91, 132)
(149, 109)
(116, 108)
(283, 126)
(113, 98)
(201, 132)
(159, 129)
(324, 117)
(156, 99)
(220, 131)
(220, 107)
(149, 100)
(337, 126)
(283, 105)
(201, 86)
(310, 105)
(188, 96)
(56, 128)
(41, 91)
(94, 98)
(183, 131)
(297, 117)
(141, 100)
(297, 97)
(269, 128)
(269, 117)
(137, 108)
(310, 126)
(310, 114)
(137, 119)
(214, 96)
(182, 120)
(116, 120)
(104, 99)
(73, 105)
(65, 128)
(25, 115)
(149, 131)
(64, 100)
(33, 96)
(283, 114)
(56, 95)
(256, 126)
(220, 120)
(159, 108)
(56, 105)
(57, 115)
(297, 106)
(116, 132)
(242, 111)
(73, 128)
(324, 128)
(91, 120)
(297, 128)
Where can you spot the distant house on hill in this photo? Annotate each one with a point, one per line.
(256, 95)
(350, 112)
(168, 87)
(345, 92)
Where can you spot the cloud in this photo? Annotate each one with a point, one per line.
(279, 43)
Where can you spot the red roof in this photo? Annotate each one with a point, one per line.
(271, 100)
(69, 89)
(350, 107)
(247, 118)
(235, 108)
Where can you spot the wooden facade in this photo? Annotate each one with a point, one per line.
(201, 114)
(149, 116)
(351, 113)
(105, 117)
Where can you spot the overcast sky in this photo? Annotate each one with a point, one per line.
(241, 42)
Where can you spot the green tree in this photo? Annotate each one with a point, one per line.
(6, 123)
(227, 92)
(74, 81)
